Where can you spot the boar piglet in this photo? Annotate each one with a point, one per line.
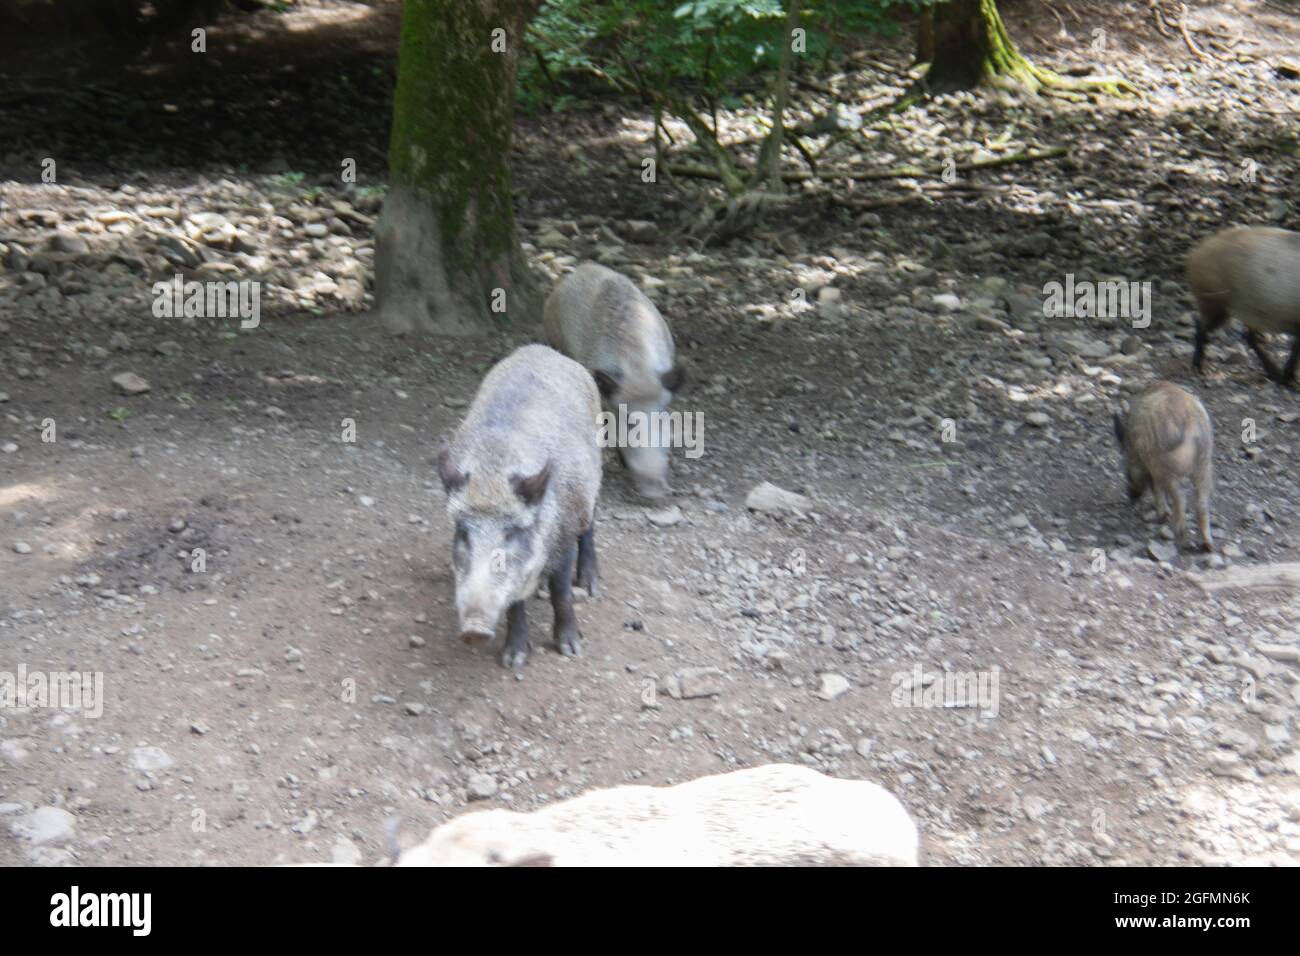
(1166, 438)
(600, 318)
(522, 475)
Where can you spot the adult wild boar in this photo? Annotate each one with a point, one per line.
(601, 319)
(522, 474)
(1251, 274)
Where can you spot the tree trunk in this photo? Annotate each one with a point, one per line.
(966, 44)
(769, 165)
(446, 255)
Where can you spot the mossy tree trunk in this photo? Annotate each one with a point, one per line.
(967, 44)
(447, 258)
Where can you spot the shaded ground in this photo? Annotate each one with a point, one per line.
(308, 683)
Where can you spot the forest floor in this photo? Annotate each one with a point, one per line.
(967, 510)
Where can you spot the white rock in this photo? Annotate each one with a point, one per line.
(128, 383)
(833, 686)
(45, 825)
(768, 497)
(151, 758)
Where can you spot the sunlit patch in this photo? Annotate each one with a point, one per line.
(1224, 820)
(25, 493)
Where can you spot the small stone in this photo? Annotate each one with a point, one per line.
(768, 497)
(1038, 419)
(1035, 807)
(1162, 551)
(22, 547)
(833, 686)
(482, 786)
(128, 383)
(413, 708)
(694, 682)
(665, 518)
(150, 758)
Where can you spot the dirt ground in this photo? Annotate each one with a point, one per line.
(966, 516)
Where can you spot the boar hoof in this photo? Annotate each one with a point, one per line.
(513, 658)
(567, 643)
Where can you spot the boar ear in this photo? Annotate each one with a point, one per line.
(674, 378)
(531, 488)
(535, 859)
(608, 384)
(452, 480)
(1119, 430)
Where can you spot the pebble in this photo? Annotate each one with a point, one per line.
(128, 383)
(666, 517)
(694, 682)
(148, 759)
(769, 498)
(833, 686)
(482, 786)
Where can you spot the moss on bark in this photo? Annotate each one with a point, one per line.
(446, 240)
(967, 44)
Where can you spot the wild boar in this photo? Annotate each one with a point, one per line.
(601, 319)
(1252, 274)
(776, 815)
(1167, 437)
(522, 475)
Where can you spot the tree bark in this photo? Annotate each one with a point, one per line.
(769, 165)
(447, 258)
(967, 44)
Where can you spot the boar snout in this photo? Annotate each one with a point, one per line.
(478, 610)
(649, 471)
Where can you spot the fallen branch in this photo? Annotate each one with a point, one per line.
(1260, 577)
(690, 171)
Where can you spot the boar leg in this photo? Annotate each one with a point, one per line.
(1270, 367)
(1203, 484)
(586, 578)
(1288, 373)
(561, 586)
(515, 653)
(1203, 519)
(1179, 520)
